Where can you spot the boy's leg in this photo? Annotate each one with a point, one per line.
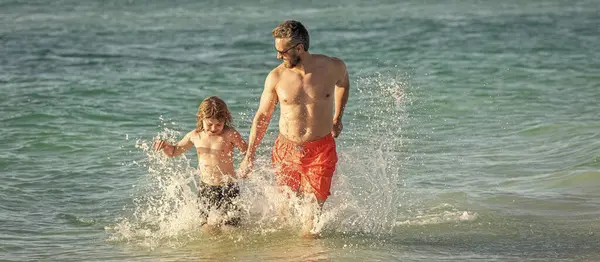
(204, 200)
(231, 211)
(208, 200)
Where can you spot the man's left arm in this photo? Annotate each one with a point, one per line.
(342, 91)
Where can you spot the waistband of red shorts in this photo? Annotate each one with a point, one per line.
(308, 144)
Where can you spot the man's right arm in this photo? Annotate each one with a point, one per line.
(268, 102)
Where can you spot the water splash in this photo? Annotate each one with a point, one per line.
(369, 194)
(369, 185)
(165, 208)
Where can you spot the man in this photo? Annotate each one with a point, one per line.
(312, 91)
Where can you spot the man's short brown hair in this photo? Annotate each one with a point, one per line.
(295, 31)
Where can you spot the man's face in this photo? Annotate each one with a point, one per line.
(287, 51)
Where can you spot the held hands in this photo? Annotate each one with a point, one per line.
(337, 128)
(246, 167)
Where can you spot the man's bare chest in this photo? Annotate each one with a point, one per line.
(308, 89)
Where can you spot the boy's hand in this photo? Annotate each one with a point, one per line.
(158, 145)
(167, 148)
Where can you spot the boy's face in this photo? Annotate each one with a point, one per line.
(212, 126)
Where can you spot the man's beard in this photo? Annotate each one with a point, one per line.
(292, 63)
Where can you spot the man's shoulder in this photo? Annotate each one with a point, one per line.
(330, 60)
(277, 71)
(275, 74)
(338, 62)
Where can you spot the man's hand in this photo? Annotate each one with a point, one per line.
(337, 128)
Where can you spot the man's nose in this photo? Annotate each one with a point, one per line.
(279, 56)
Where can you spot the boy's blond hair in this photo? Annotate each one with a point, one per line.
(213, 107)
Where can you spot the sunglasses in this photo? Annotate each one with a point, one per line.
(287, 50)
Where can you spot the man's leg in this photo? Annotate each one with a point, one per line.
(287, 174)
(316, 183)
(312, 206)
(288, 186)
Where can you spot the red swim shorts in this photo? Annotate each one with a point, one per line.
(312, 161)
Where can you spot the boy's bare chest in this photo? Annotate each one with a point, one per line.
(211, 145)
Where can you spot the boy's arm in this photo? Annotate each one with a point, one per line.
(238, 141)
(175, 150)
(183, 145)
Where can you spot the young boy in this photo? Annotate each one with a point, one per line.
(214, 139)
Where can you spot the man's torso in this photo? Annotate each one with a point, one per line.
(307, 101)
